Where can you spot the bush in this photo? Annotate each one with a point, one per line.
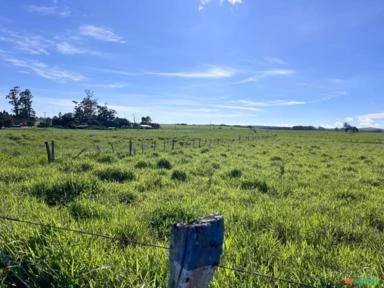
(142, 164)
(257, 184)
(115, 175)
(179, 176)
(84, 210)
(162, 219)
(164, 164)
(127, 198)
(235, 173)
(58, 191)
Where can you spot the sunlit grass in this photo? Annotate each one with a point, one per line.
(306, 206)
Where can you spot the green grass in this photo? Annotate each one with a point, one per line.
(306, 206)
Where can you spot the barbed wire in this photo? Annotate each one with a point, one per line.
(270, 277)
(93, 234)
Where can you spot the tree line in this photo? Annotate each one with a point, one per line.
(87, 113)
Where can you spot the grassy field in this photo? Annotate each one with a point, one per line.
(305, 206)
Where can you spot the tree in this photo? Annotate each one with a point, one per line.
(85, 111)
(6, 119)
(14, 100)
(146, 120)
(25, 100)
(105, 116)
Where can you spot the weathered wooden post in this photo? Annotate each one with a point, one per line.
(195, 251)
(52, 151)
(173, 143)
(199, 142)
(48, 151)
(142, 147)
(154, 145)
(130, 148)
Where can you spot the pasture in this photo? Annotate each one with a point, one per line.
(304, 206)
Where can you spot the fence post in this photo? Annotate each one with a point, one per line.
(48, 151)
(173, 143)
(53, 151)
(195, 251)
(130, 147)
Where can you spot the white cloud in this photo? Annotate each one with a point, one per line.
(35, 45)
(117, 85)
(211, 73)
(268, 73)
(203, 3)
(371, 120)
(66, 48)
(272, 103)
(53, 10)
(100, 33)
(43, 70)
(275, 60)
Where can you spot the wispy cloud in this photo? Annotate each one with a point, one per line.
(100, 33)
(268, 73)
(31, 44)
(272, 103)
(275, 60)
(203, 3)
(371, 120)
(43, 70)
(211, 73)
(67, 48)
(52, 10)
(117, 85)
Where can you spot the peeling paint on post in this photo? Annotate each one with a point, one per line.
(195, 251)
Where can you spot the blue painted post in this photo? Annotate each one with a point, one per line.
(195, 251)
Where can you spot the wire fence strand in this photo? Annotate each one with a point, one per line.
(104, 236)
(93, 234)
(270, 277)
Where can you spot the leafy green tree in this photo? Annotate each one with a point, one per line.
(14, 100)
(6, 119)
(85, 111)
(25, 100)
(146, 120)
(105, 116)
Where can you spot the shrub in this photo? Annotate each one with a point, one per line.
(235, 173)
(127, 198)
(106, 159)
(142, 164)
(84, 210)
(115, 175)
(257, 184)
(179, 176)
(58, 191)
(162, 219)
(164, 164)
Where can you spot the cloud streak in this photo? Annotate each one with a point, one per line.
(211, 73)
(34, 45)
(43, 70)
(69, 49)
(266, 74)
(100, 33)
(203, 3)
(53, 10)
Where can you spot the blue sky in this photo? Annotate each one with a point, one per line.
(200, 61)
